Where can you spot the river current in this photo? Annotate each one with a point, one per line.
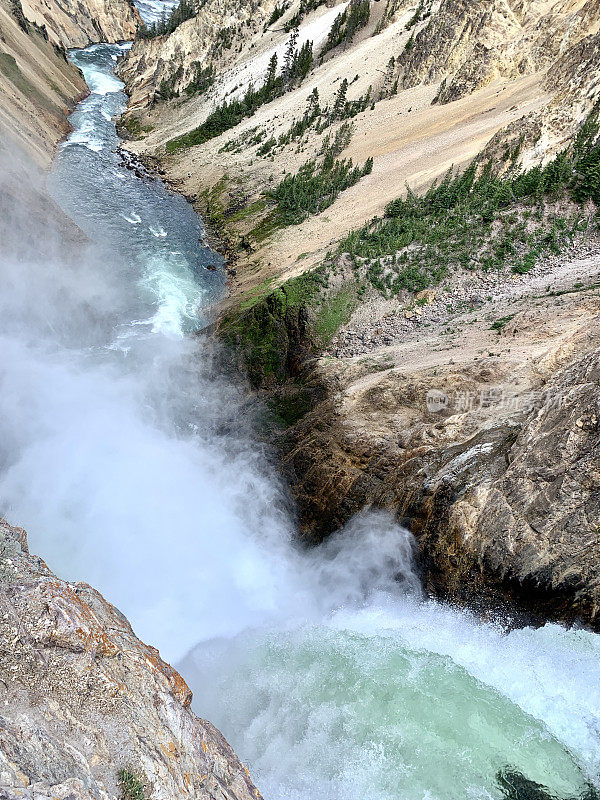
(132, 464)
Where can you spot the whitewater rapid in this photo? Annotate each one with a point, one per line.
(133, 465)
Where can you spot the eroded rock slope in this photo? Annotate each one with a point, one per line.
(78, 23)
(38, 87)
(83, 698)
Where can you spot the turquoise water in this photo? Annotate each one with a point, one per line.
(130, 462)
(155, 231)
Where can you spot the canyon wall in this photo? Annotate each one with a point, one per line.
(501, 494)
(38, 87)
(88, 710)
(78, 23)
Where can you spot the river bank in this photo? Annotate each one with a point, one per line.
(133, 460)
(346, 346)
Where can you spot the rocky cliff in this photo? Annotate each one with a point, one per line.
(471, 414)
(78, 23)
(88, 710)
(469, 44)
(484, 444)
(215, 34)
(38, 87)
(498, 484)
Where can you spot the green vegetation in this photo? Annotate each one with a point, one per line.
(203, 78)
(296, 66)
(389, 86)
(273, 329)
(11, 70)
(470, 220)
(167, 24)
(476, 220)
(278, 12)
(224, 40)
(132, 128)
(341, 140)
(420, 14)
(131, 786)
(166, 88)
(345, 26)
(391, 8)
(306, 6)
(319, 119)
(499, 324)
(315, 187)
(335, 311)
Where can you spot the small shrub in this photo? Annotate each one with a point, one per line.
(131, 786)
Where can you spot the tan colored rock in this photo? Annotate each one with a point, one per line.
(82, 697)
(469, 43)
(426, 296)
(194, 41)
(498, 476)
(38, 88)
(78, 23)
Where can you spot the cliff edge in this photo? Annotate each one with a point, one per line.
(88, 710)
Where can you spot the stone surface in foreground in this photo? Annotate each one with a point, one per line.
(81, 697)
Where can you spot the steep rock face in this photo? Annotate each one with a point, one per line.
(83, 697)
(574, 83)
(200, 39)
(38, 87)
(469, 44)
(536, 525)
(500, 485)
(78, 23)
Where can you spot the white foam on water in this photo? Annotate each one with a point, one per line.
(173, 287)
(103, 84)
(133, 467)
(133, 218)
(160, 233)
(390, 695)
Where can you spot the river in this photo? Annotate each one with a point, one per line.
(132, 463)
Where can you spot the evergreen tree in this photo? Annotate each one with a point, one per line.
(290, 59)
(304, 62)
(312, 105)
(339, 105)
(271, 73)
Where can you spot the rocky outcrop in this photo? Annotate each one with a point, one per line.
(574, 83)
(535, 526)
(467, 44)
(489, 456)
(212, 36)
(38, 87)
(83, 698)
(78, 23)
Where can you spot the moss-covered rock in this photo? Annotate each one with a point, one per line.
(274, 333)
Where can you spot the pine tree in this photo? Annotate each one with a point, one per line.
(271, 75)
(291, 56)
(304, 62)
(339, 105)
(312, 104)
